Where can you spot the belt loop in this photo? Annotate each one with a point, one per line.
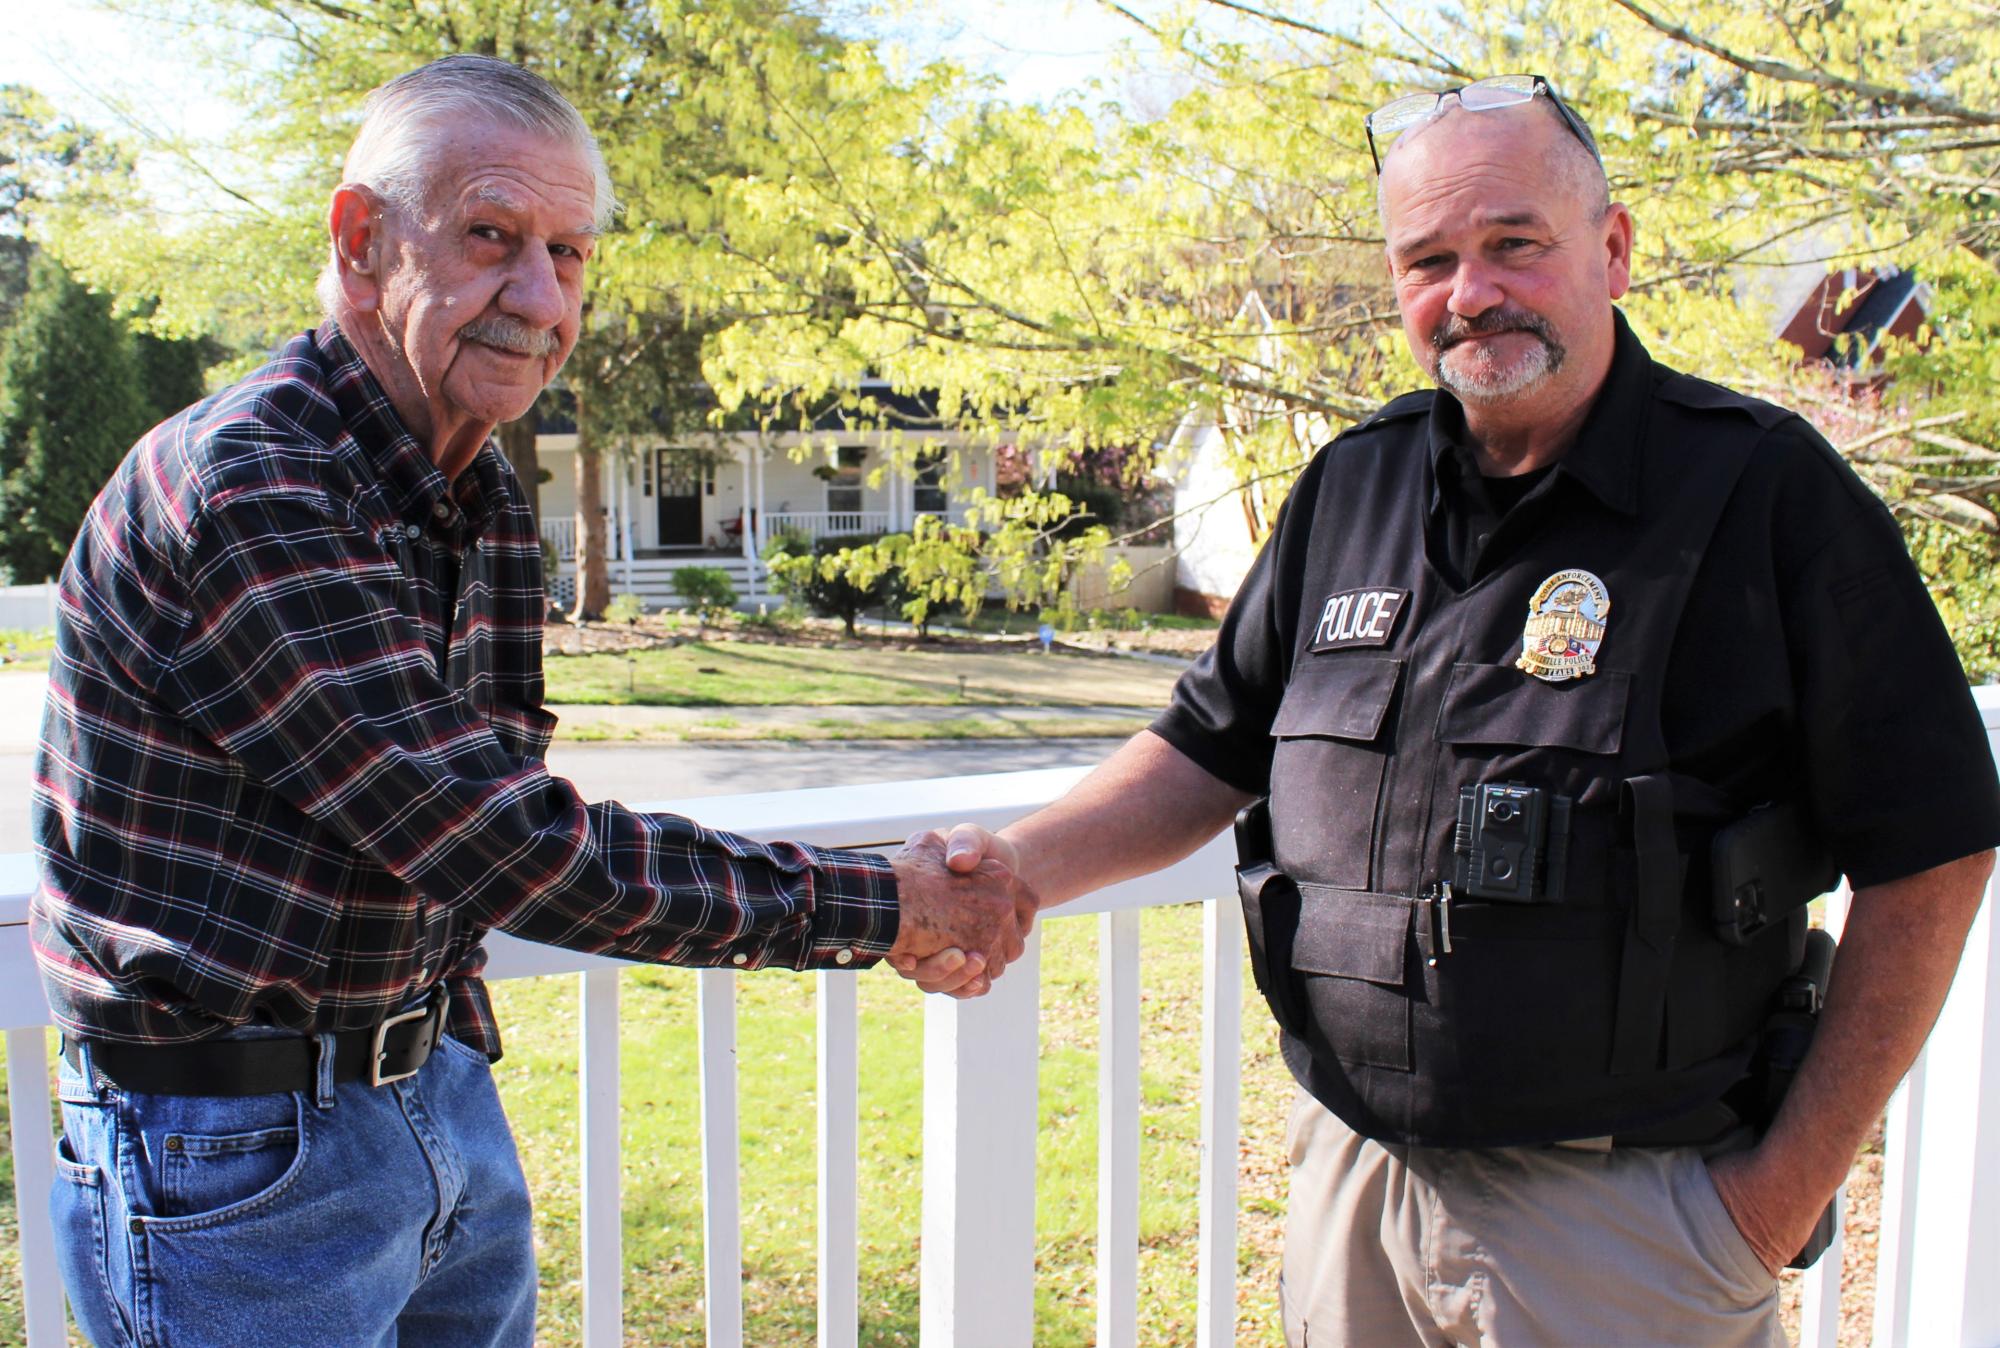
(87, 1074)
(323, 1085)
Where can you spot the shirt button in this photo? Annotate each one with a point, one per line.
(739, 958)
(1484, 539)
(844, 957)
(411, 531)
(441, 511)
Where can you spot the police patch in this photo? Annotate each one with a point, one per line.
(1566, 621)
(1365, 617)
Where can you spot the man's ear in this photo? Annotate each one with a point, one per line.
(360, 251)
(1618, 246)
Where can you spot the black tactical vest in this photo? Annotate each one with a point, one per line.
(1605, 1007)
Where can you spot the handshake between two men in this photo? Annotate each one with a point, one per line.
(965, 911)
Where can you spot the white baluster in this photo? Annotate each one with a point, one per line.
(839, 1148)
(34, 1176)
(721, 1180)
(1118, 1129)
(1221, 1103)
(602, 1213)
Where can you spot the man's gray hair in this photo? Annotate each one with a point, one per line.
(394, 150)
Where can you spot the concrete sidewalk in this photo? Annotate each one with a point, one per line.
(21, 710)
(749, 723)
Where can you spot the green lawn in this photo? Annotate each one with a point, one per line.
(662, 1174)
(26, 650)
(723, 673)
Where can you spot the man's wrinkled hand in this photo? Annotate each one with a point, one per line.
(963, 918)
(1775, 1218)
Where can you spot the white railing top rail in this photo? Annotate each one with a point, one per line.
(878, 815)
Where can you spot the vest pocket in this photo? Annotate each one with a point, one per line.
(1326, 771)
(1498, 704)
(1352, 954)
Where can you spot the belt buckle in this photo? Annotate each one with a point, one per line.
(376, 1052)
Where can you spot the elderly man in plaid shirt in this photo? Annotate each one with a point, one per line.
(291, 774)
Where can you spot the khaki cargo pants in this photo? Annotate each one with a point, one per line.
(1514, 1247)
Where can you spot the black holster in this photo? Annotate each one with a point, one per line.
(1270, 916)
(1788, 1034)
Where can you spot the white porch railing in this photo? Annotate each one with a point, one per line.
(559, 532)
(1938, 1241)
(817, 524)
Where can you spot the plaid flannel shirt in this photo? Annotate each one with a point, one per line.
(291, 764)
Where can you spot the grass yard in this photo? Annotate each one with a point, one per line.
(731, 673)
(22, 650)
(662, 1170)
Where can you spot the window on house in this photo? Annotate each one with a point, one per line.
(928, 494)
(843, 484)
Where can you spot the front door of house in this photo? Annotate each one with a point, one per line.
(678, 479)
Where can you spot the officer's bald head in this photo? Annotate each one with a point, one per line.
(1569, 165)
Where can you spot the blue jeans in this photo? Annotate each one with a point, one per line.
(343, 1215)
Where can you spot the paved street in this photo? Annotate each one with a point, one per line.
(643, 773)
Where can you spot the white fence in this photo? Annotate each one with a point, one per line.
(1938, 1246)
(27, 608)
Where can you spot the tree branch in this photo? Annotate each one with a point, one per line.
(1790, 74)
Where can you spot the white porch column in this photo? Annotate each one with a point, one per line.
(625, 517)
(748, 535)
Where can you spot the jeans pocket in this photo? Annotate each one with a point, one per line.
(212, 1160)
(76, 1210)
(465, 1050)
(202, 1173)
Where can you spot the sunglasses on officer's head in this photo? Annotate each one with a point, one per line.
(1501, 91)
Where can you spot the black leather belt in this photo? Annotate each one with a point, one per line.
(388, 1052)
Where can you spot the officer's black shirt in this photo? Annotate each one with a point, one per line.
(1810, 657)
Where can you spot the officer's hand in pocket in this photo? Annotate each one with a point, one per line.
(1768, 1207)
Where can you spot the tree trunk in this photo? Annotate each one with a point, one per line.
(517, 442)
(593, 575)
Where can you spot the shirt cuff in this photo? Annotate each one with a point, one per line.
(855, 912)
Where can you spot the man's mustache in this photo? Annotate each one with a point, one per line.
(511, 335)
(1456, 329)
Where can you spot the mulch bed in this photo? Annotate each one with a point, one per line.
(563, 637)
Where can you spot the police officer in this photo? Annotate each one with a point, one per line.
(1521, 658)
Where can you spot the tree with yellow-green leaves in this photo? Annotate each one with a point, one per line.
(1075, 274)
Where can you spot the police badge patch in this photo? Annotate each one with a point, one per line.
(1565, 627)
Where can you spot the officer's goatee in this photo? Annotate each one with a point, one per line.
(1477, 377)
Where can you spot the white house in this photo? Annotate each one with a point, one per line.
(716, 498)
(1220, 523)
